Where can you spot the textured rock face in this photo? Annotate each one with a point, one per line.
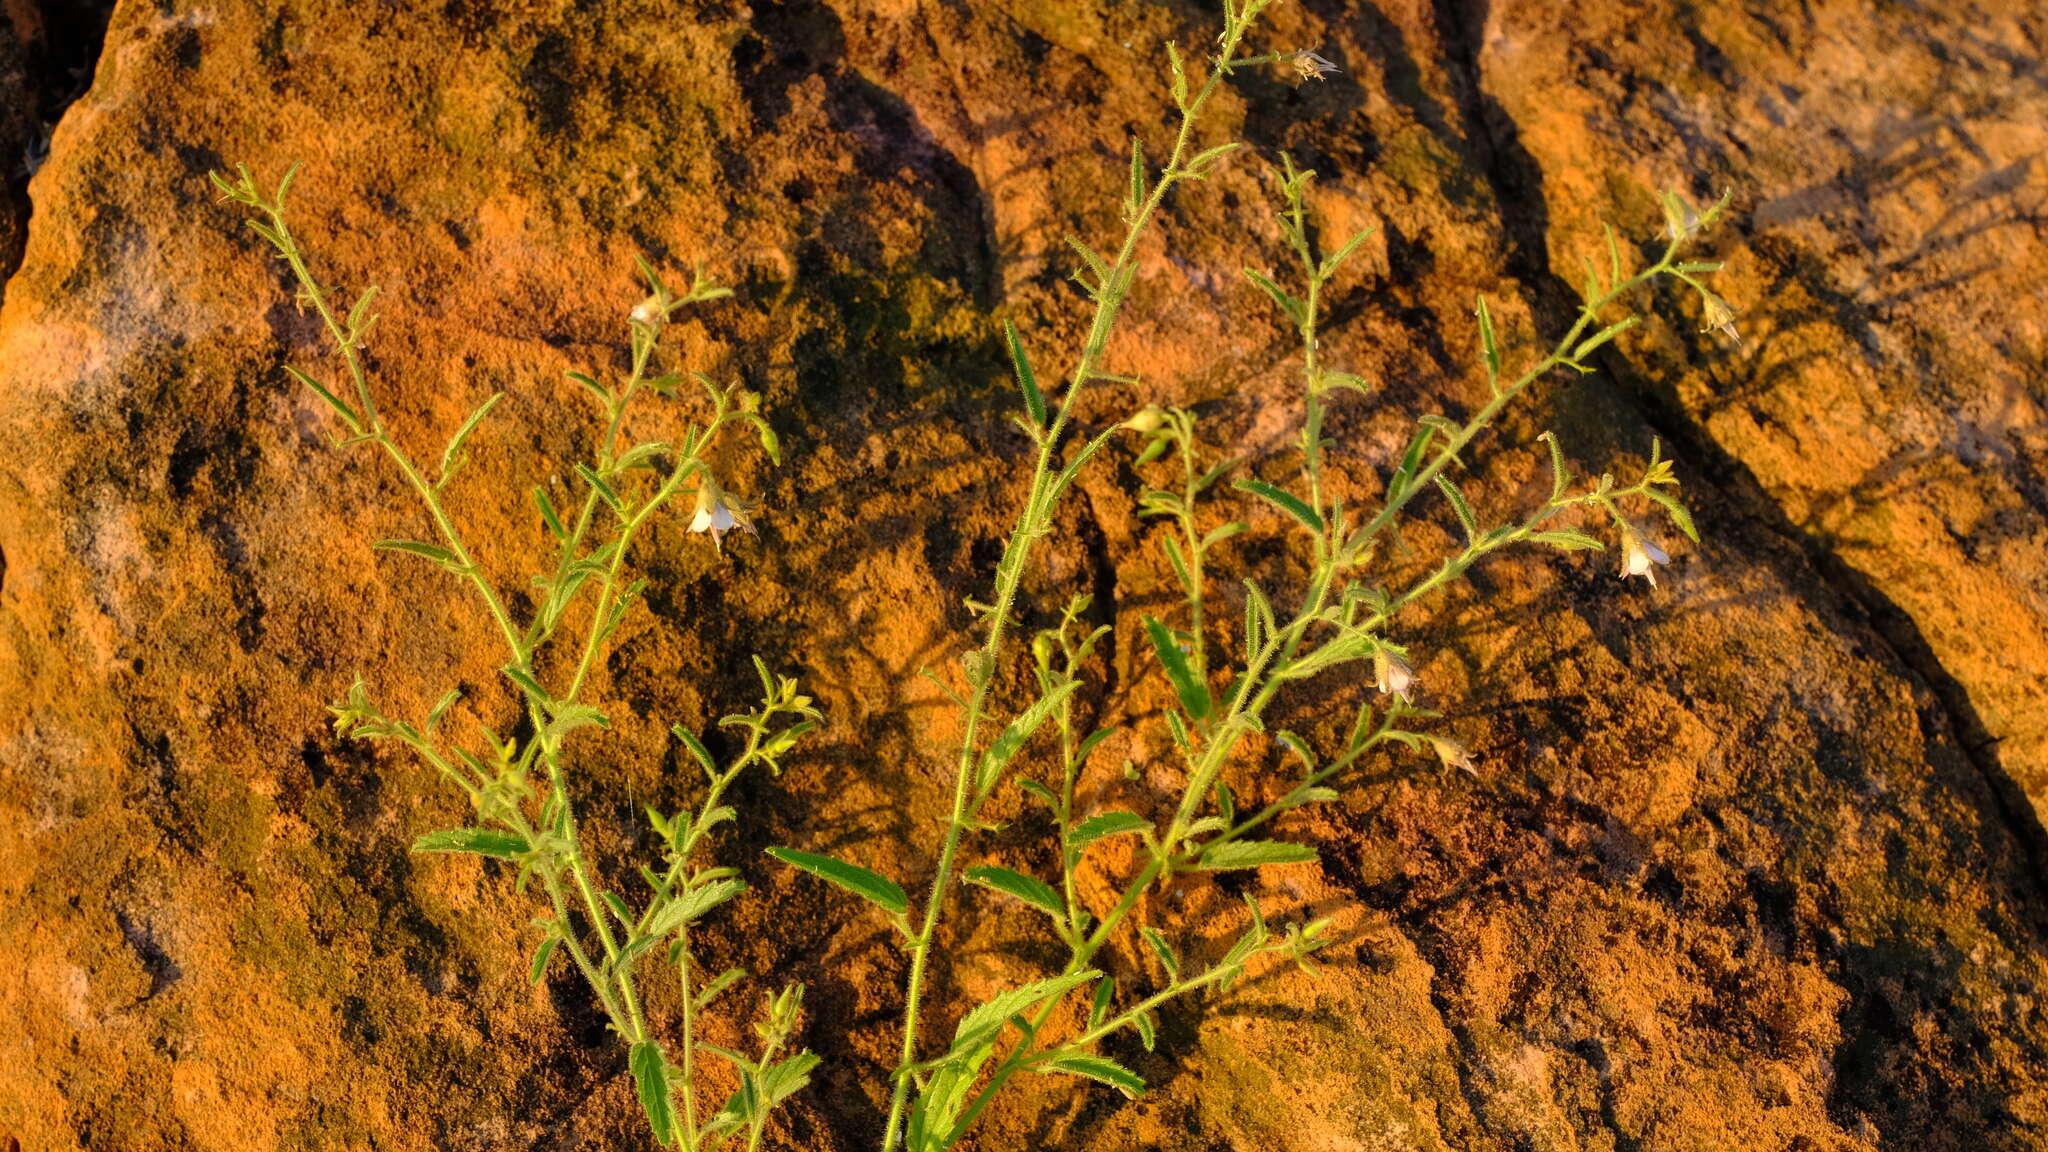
(1752, 860)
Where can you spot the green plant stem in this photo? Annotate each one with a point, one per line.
(1011, 569)
(1589, 311)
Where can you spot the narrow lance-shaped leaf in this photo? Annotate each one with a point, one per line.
(1103, 825)
(1098, 1068)
(868, 885)
(1194, 695)
(1286, 501)
(1487, 344)
(1679, 515)
(434, 552)
(1027, 380)
(1168, 958)
(1603, 336)
(1030, 889)
(1459, 505)
(347, 414)
(481, 841)
(604, 491)
(540, 958)
(1253, 854)
(1006, 746)
(450, 455)
(1295, 309)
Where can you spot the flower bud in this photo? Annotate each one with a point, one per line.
(1147, 420)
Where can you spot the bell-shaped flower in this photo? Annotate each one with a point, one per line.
(1392, 675)
(1639, 555)
(719, 512)
(1310, 66)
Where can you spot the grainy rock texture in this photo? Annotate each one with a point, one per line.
(1753, 859)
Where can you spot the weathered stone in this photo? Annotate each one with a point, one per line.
(1740, 869)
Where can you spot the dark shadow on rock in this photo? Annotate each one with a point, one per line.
(1885, 1065)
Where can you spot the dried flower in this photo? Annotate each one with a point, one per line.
(1310, 66)
(1454, 755)
(1719, 317)
(1392, 675)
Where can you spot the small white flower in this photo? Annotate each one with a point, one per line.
(719, 512)
(1681, 223)
(1310, 66)
(651, 312)
(1639, 557)
(1392, 675)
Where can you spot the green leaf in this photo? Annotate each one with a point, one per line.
(548, 515)
(1252, 854)
(986, 1022)
(1198, 167)
(1488, 346)
(603, 490)
(540, 958)
(719, 983)
(1093, 741)
(783, 1079)
(1458, 504)
(603, 395)
(1105, 994)
(434, 552)
(696, 747)
(570, 717)
(1194, 695)
(1005, 747)
(1567, 540)
(1295, 309)
(1103, 825)
(1411, 460)
(693, 904)
(871, 886)
(527, 683)
(1160, 948)
(1137, 190)
(1027, 380)
(1095, 265)
(1148, 1030)
(650, 1078)
(347, 414)
(481, 841)
(1286, 501)
(1603, 336)
(1337, 258)
(1099, 1068)
(1679, 515)
(461, 437)
(1030, 889)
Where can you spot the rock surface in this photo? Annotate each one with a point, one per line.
(1753, 859)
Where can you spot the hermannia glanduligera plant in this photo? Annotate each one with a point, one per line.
(1343, 620)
